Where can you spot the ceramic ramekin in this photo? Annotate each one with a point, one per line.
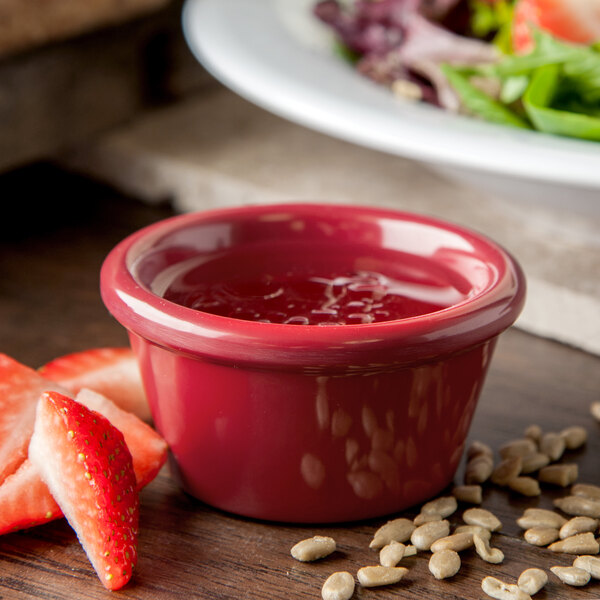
(304, 423)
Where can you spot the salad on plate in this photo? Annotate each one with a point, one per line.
(531, 64)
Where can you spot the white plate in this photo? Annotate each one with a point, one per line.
(277, 55)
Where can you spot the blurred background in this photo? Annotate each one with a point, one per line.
(108, 93)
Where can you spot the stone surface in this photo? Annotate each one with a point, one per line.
(218, 150)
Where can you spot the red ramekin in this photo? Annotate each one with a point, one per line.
(303, 423)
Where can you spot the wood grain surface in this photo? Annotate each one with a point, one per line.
(50, 255)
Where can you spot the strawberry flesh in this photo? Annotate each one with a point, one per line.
(25, 500)
(576, 21)
(86, 464)
(20, 388)
(112, 372)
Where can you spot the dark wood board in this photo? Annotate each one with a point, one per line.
(61, 94)
(51, 247)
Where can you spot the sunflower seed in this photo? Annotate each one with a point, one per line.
(571, 575)
(422, 537)
(531, 581)
(376, 576)
(520, 447)
(587, 490)
(534, 432)
(533, 462)
(444, 506)
(540, 517)
(392, 554)
(541, 536)
(526, 486)
(553, 445)
(483, 549)
(470, 494)
(502, 591)
(562, 475)
(456, 542)
(313, 548)
(479, 469)
(423, 518)
(444, 564)
(578, 525)
(483, 518)
(508, 469)
(579, 506)
(582, 543)
(482, 532)
(338, 586)
(591, 564)
(574, 437)
(397, 530)
(477, 449)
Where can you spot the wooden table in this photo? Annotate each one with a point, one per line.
(50, 255)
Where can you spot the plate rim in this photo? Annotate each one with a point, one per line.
(258, 76)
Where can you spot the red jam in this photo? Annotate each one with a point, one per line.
(321, 284)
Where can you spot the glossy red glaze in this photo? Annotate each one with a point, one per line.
(309, 423)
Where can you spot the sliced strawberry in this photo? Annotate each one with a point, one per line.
(148, 448)
(20, 388)
(25, 500)
(112, 372)
(85, 463)
(575, 21)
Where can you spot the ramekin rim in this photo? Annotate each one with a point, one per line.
(118, 286)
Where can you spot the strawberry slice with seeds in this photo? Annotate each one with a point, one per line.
(112, 372)
(20, 388)
(148, 449)
(25, 500)
(86, 464)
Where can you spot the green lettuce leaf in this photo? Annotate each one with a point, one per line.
(479, 103)
(492, 20)
(557, 85)
(538, 103)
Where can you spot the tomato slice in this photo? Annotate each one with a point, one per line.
(575, 21)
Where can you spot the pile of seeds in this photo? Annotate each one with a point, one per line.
(524, 464)
(524, 457)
